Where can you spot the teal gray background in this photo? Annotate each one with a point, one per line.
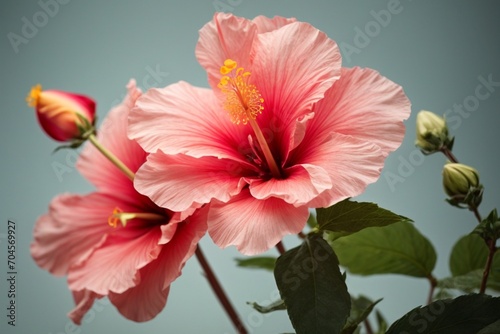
(437, 50)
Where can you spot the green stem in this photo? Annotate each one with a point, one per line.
(111, 157)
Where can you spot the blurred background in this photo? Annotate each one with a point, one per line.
(439, 51)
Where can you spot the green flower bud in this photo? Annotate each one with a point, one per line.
(459, 180)
(432, 132)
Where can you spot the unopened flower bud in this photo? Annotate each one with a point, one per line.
(432, 132)
(64, 116)
(459, 179)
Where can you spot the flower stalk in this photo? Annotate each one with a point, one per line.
(111, 157)
(219, 292)
(281, 249)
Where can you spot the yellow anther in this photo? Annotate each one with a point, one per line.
(230, 63)
(114, 218)
(224, 81)
(225, 70)
(34, 95)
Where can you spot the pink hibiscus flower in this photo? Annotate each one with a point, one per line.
(115, 241)
(283, 128)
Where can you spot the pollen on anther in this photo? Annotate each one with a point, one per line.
(34, 95)
(243, 99)
(114, 218)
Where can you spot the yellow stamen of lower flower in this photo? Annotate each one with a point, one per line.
(34, 95)
(123, 217)
(244, 103)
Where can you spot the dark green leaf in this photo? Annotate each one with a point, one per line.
(398, 249)
(493, 328)
(442, 294)
(465, 314)
(361, 308)
(469, 254)
(258, 262)
(275, 306)
(350, 217)
(466, 283)
(311, 221)
(489, 228)
(314, 291)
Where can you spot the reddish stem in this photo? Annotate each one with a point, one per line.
(368, 326)
(433, 281)
(281, 249)
(446, 151)
(219, 292)
(492, 249)
(476, 214)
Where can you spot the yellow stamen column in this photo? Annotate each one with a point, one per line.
(244, 103)
(124, 217)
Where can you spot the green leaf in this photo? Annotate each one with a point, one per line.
(314, 290)
(361, 308)
(258, 262)
(275, 306)
(493, 328)
(311, 221)
(350, 217)
(465, 314)
(489, 228)
(469, 254)
(397, 249)
(466, 283)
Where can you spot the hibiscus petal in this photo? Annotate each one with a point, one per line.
(177, 182)
(115, 265)
(141, 303)
(253, 225)
(365, 105)
(84, 299)
(301, 185)
(69, 233)
(225, 37)
(351, 163)
(185, 119)
(293, 67)
(113, 136)
(144, 301)
(266, 24)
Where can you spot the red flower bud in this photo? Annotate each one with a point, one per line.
(63, 116)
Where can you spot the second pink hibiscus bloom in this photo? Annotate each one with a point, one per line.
(284, 128)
